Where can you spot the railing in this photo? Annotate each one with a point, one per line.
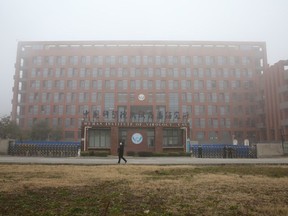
(44, 149)
(223, 151)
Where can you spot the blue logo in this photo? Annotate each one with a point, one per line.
(137, 138)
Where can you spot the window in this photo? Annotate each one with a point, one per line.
(202, 97)
(160, 97)
(199, 110)
(98, 60)
(200, 135)
(189, 97)
(172, 138)
(138, 84)
(182, 60)
(132, 84)
(73, 60)
(158, 84)
(173, 101)
(187, 84)
(175, 72)
(173, 84)
(109, 84)
(231, 60)
(145, 84)
(150, 138)
(125, 60)
(157, 60)
(99, 138)
(198, 84)
(145, 60)
(122, 98)
(212, 110)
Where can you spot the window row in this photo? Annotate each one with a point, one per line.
(138, 84)
(123, 97)
(145, 60)
(138, 72)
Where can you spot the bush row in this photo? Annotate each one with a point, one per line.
(158, 154)
(94, 153)
(139, 154)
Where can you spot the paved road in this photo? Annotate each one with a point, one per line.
(138, 160)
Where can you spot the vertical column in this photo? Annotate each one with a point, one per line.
(114, 140)
(158, 139)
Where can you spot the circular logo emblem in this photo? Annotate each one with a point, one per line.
(137, 138)
(141, 97)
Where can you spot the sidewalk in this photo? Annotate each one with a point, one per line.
(139, 160)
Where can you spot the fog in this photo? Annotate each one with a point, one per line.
(214, 20)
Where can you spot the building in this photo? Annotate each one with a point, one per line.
(272, 103)
(154, 95)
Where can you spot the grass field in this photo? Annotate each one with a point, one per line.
(143, 190)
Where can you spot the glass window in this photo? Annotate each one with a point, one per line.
(150, 138)
(170, 60)
(158, 60)
(160, 97)
(138, 84)
(172, 138)
(99, 138)
(122, 98)
(145, 60)
(175, 60)
(125, 60)
(182, 60)
(132, 84)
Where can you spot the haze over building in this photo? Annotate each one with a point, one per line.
(156, 92)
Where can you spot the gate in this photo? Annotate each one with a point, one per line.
(223, 151)
(44, 149)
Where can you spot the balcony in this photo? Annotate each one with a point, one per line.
(283, 89)
(283, 105)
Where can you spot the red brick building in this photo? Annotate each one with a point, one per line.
(157, 93)
(272, 107)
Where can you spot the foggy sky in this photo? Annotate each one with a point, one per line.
(213, 20)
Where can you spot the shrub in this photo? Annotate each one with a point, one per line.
(160, 154)
(145, 154)
(84, 153)
(174, 154)
(94, 153)
(131, 153)
(101, 154)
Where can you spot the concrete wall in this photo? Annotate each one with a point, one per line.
(269, 150)
(4, 144)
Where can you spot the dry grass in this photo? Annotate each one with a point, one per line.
(143, 190)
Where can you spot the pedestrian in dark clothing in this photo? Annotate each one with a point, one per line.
(199, 151)
(121, 152)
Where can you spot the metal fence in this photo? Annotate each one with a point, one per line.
(223, 151)
(44, 149)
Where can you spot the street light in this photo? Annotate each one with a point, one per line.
(187, 140)
(85, 136)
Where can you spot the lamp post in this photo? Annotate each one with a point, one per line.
(187, 140)
(85, 137)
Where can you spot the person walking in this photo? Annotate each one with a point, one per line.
(121, 152)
